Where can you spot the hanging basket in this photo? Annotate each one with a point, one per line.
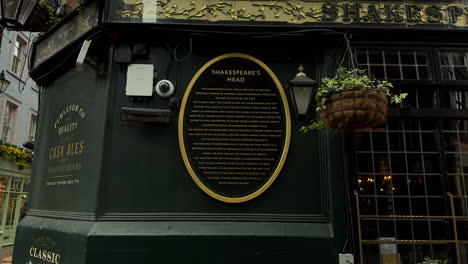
(42, 17)
(38, 21)
(351, 99)
(355, 109)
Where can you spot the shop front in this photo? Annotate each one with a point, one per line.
(14, 180)
(169, 131)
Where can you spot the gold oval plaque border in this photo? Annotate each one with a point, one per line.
(286, 143)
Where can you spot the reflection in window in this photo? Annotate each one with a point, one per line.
(19, 57)
(454, 65)
(32, 127)
(9, 118)
(3, 183)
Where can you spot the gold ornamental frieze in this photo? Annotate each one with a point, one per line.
(296, 12)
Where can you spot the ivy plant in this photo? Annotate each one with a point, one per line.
(428, 260)
(53, 19)
(346, 80)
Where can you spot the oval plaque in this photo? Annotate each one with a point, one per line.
(234, 127)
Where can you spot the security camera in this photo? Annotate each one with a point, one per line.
(165, 88)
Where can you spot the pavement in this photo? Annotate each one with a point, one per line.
(5, 254)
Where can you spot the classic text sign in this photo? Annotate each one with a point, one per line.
(234, 127)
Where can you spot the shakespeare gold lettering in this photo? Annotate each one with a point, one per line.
(235, 79)
(453, 13)
(236, 72)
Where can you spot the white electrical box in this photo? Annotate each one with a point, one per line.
(346, 259)
(82, 56)
(140, 80)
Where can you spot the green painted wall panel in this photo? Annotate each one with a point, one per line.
(211, 242)
(66, 238)
(147, 157)
(147, 206)
(68, 153)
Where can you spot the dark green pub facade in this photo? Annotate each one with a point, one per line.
(168, 133)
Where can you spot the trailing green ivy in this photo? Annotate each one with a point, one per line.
(428, 260)
(53, 19)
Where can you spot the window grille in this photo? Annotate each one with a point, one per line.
(19, 50)
(404, 172)
(411, 174)
(454, 65)
(395, 64)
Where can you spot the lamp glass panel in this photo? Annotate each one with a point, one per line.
(3, 85)
(26, 10)
(11, 8)
(302, 97)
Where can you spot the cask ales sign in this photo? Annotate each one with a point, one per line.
(234, 127)
(68, 160)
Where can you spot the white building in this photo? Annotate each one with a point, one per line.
(19, 103)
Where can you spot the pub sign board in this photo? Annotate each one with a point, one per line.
(234, 127)
(68, 155)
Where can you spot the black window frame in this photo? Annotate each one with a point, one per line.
(405, 48)
(435, 114)
(437, 55)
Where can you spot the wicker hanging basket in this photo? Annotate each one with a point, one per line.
(355, 109)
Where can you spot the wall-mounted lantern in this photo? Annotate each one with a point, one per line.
(301, 89)
(15, 13)
(4, 83)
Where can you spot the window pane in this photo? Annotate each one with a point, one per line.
(405, 198)
(19, 50)
(448, 73)
(377, 72)
(361, 56)
(454, 65)
(15, 66)
(395, 64)
(32, 127)
(444, 58)
(375, 57)
(3, 183)
(421, 58)
(461, 73)
(424, 73)
(407, 57)
(409, 73)
(393, 72)
(458, 58)
(391, 57)
(363, 141)
(8, 117)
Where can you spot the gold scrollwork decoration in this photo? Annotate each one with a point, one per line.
(297, 11)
